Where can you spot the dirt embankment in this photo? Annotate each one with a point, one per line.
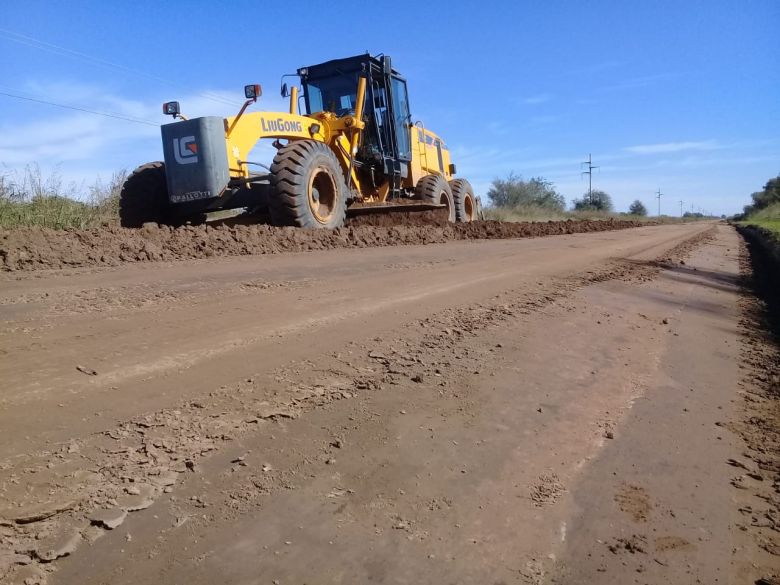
(41, 248)
(764, 249)
(758, 472)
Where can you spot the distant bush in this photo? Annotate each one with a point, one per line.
(637, 208)
(597, 201)
(515, 192)
(27, 198)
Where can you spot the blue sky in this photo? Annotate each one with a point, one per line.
(680, 95)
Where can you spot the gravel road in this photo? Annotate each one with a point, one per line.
(568, 409)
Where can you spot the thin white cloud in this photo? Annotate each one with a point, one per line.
(67, 137)
(537, 99)
(543, 120)
(499, 128)
(667, 147)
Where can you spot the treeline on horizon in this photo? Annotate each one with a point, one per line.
(537, 196)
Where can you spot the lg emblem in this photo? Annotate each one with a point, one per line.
(185, 150)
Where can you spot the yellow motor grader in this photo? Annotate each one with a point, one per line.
(347, 143)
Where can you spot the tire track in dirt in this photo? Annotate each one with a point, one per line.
(145, 296)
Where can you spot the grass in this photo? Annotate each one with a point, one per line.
(767, 218)
(771, 225)
(27, 199)
(525, 213)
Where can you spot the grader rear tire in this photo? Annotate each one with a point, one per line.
(434, 189)
(465, 204)
(144, 197)
(309, 190)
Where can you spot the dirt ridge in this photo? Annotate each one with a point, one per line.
(27, 249)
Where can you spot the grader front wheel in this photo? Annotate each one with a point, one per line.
(308, 187)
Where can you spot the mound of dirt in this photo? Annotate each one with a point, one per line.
(43, 248)
(406, 218)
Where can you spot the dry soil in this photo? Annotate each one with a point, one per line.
(584, 408)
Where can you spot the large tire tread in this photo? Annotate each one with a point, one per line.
(434, 188)
(290, 171)
(144, 197)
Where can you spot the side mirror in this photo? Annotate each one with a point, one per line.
(252, 92)
(387, 65)
(285, 91)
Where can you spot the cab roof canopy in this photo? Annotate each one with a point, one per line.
(365, 62)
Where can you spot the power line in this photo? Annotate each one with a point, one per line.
(658, 196)
(80, 109)
(589, 172)
(65, 52)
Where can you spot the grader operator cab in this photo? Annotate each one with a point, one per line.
(354, 148)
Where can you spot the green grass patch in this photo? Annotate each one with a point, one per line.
(28, 199)
(767, 218)
(773, 225)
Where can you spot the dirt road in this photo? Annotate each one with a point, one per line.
(556, 409)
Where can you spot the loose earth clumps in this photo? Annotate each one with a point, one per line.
(43, 248)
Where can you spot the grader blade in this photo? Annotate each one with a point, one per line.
(358, 209)
(395, 214)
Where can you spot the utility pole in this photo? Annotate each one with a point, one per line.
(681, 207)
(589, 172)
(658, 196)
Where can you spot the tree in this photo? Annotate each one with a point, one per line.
(598, 201)
(769, 196)
(637, 208)
(516, 192)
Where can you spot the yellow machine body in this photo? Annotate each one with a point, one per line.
(430, 154)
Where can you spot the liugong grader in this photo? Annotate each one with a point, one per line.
(352, 147)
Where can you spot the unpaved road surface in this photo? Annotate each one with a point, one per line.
(568, 409)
